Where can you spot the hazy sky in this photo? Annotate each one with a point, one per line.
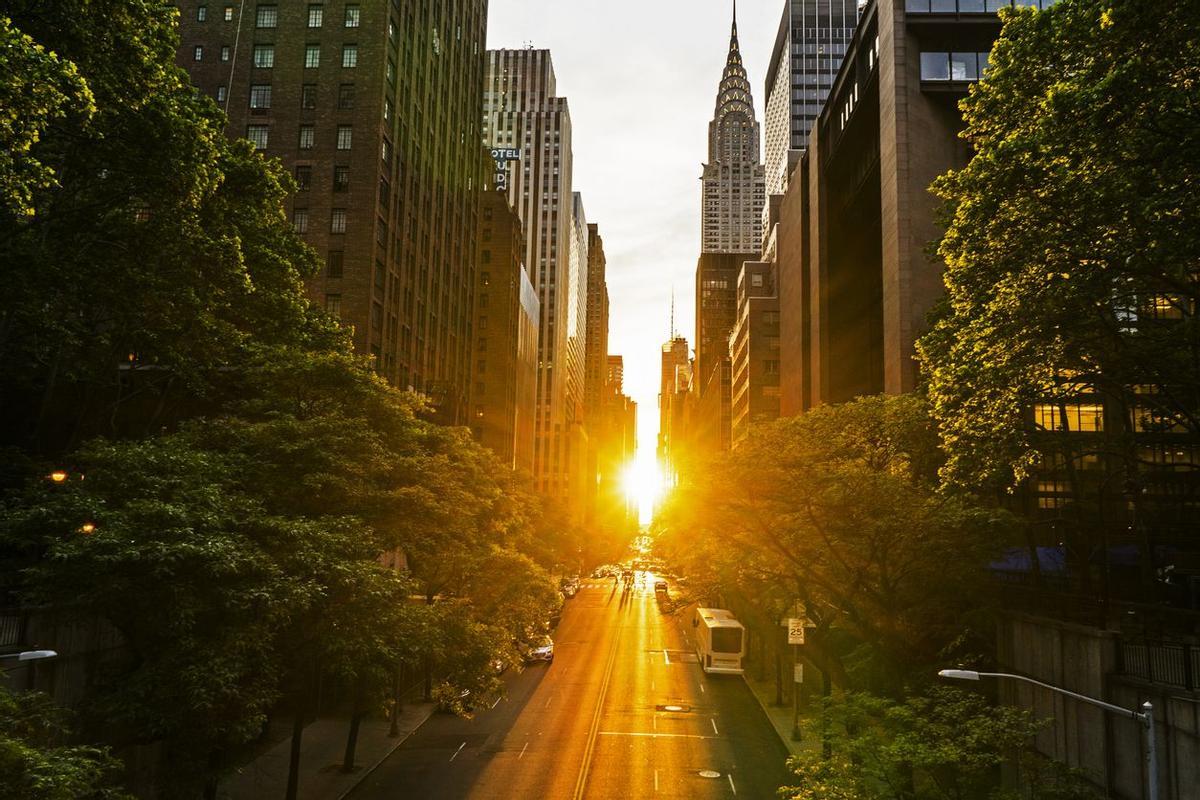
(641, 78)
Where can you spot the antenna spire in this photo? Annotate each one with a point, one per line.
(672, 312)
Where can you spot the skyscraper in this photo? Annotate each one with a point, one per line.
(734, 191)
(528, 128)
(812, 40)
(372, 107)
(506, 338)
(597, 327)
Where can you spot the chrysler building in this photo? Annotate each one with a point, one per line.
(734, 178)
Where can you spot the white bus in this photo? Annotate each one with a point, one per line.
(720, 641)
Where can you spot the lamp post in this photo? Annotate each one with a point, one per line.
(1145, 716)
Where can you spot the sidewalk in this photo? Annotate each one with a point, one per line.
(780, 716)
(321, 751)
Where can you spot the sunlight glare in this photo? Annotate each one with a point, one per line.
(643, 483)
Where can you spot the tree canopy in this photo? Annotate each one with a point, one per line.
(1072, 236)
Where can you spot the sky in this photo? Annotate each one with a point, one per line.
(641, 81)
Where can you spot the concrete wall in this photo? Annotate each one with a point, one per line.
(1107, 747)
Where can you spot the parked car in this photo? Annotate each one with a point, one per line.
(542, 650)
(660, 586)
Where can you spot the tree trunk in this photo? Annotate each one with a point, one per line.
(394, 728)
(355, 722)
(293, 784)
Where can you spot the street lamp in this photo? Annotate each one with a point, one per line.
(1145, 716)
(30, 655)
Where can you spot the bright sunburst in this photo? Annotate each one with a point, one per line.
(643, 483)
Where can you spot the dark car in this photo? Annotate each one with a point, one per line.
(660, 586)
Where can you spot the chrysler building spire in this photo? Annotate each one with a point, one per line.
(734, 183)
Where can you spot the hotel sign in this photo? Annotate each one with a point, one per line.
(503, 156)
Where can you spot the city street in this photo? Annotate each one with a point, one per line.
(624, 711)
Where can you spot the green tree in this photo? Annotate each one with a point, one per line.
(1071, 242)
(840, 508)
(38, 88)
(38, 763)
(944, 745)
(158, 260)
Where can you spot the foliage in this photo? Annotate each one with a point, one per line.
(839, 508)
(38, 88)
(36, 764)
(1072, 237)
(161, 245)
(945, 745)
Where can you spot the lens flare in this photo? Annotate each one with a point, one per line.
(643, 483)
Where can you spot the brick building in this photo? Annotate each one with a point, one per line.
(373, 107)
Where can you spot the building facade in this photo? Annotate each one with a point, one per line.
(528, 127)
(733, 184)
(597, 358)
(855, 278)
(716, 311)
(754, 351)
(812, 40)
(372, 107)
(507, 316)
(674, 383)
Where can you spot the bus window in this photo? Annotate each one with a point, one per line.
(726, 640)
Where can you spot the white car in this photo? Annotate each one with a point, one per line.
(543, 650)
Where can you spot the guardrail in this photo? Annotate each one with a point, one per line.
(1173, 664)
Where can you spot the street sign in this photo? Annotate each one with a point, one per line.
(798, 673)
(796, 630)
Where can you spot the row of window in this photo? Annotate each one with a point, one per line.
(337, 224)
(969, 6)
(260, 97)
(953, 66)
(341, 178)
(260, 136)
(263, 55)
(268, 16)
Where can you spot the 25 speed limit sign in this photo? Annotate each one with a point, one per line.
(796, 630)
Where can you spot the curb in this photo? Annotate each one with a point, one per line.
(784, 739)
(399, 741)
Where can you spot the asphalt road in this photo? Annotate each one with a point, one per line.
(595, 723)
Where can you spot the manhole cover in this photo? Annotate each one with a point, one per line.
(709, 773)
(674, 709)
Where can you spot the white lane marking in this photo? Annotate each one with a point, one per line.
(548, 699)
(656, 780)
(523, 749)
(666, 657)
(655, 721)
(714, 724)
(498, 699)
(656, 735)
(459, 750)
(731, 786)
(702, 687)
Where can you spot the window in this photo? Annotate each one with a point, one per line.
(391, 71)
(303, 178)
(312, 56)
(387, 109)
(266, 17)
(385, 151)
(341, 179)
(349, 55)
(258, 135)
(333, 264)
(756, 281)
(337, 221)
(307, 137)
(964, 67)
(225, 52)
(264, 56)
(346, 96)
(308, 96)
(352, 16)
(260, 96)
(316, 16)
(222, 93)
(485, 279)
(201, 13)
(345, 137)
(300, 220)
(935, 66)
(1079, 417)
(333, 304)
(229, 13)
(198, 53)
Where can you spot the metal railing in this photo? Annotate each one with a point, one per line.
(1171, 664)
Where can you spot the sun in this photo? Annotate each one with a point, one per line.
(642, 481)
